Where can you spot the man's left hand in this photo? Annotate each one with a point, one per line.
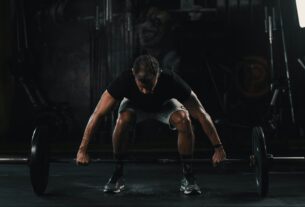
(219, 156)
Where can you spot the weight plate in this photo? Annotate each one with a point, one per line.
(39, 159)
(261, 164)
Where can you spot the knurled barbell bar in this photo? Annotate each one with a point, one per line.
(39, 160)
(150, 161)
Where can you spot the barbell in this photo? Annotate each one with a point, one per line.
(39, 160)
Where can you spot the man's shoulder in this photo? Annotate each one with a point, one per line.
(120, 84)
(167, 73)
(170, 75)
(125, 75)
(127, 72)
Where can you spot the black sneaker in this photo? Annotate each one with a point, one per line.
(115, 184)
(189, 185)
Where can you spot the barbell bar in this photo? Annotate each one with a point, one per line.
(149, 161)
(271, 158)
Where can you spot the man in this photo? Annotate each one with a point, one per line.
(148, 92)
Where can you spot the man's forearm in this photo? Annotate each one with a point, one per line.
(106, 103)
(90, 128)
(210, 129)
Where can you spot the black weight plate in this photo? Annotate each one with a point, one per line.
(39, 159)
(261, 164)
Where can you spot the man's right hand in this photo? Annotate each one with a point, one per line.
(82, 158)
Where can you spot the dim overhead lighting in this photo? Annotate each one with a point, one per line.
(301, 12)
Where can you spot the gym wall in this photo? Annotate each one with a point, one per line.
(72, 56)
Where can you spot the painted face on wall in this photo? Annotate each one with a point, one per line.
(154, 28)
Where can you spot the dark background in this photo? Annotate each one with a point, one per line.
(58, 56)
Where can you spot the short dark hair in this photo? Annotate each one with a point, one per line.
(146, 64)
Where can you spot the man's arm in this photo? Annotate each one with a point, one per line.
(197, 111)
(105, 104)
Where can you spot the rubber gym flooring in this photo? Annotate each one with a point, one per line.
(148, 185)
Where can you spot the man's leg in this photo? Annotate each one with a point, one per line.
(124, 124)
(182, 122)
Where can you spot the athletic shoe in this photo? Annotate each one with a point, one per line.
(189, 185)
(115, 184)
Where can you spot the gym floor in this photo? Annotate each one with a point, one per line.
(148, 185)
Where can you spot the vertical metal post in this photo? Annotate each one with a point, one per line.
(104, 12)
(97, 17)
(286, 64)
(270, 37)
(25, 32)
(107, 10)
(269, 30)
(129, 29)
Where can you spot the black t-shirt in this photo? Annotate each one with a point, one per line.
(169, 85)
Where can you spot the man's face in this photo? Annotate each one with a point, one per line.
(148, 85)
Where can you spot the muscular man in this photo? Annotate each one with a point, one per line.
(146, 92)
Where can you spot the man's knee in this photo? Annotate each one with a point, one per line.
(181, 120)
(125, 119)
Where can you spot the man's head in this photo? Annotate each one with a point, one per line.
(146, 72)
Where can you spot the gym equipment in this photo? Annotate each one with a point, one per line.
(39, 160)
(261, 165)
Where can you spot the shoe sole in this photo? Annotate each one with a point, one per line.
(121, 188)
(193, 192)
